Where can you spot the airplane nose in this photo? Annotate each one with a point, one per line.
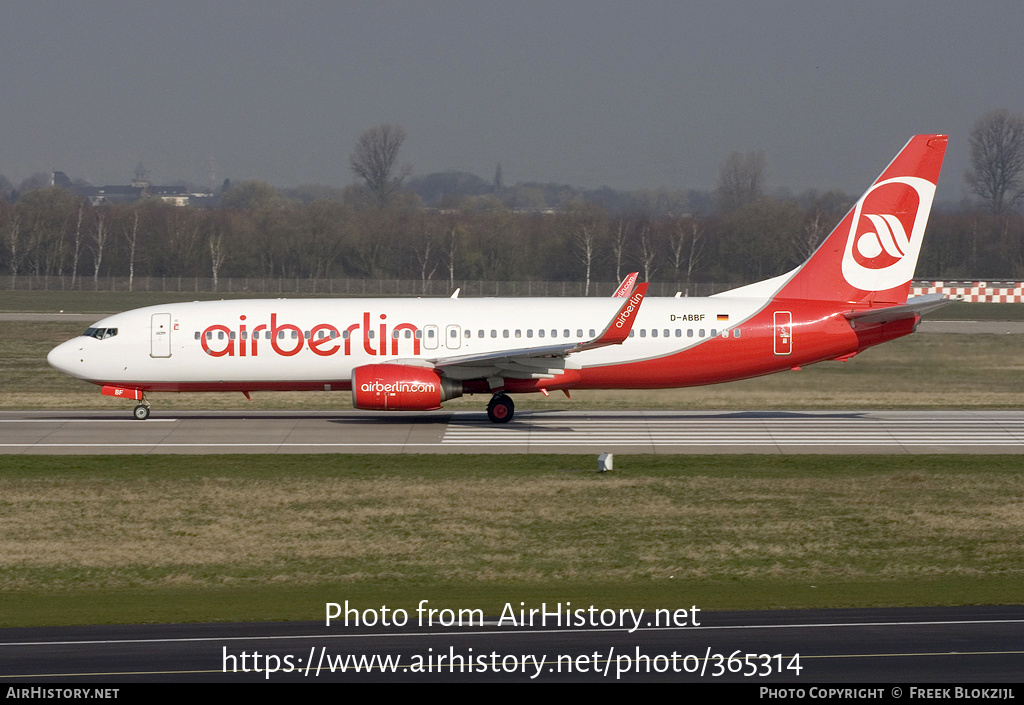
(65, 357)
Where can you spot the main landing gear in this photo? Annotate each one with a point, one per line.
(141, 412)
(500, 409)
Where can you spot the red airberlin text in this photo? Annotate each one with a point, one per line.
(289, 339)
(627, 310)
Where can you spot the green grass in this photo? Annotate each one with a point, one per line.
(966, 311)
(89, 539)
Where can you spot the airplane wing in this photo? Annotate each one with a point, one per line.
(544, 361)
(915, 306)
(626, 287)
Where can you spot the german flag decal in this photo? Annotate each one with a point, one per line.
(723, 316)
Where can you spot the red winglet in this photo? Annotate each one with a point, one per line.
(626, 286)
(618, 330)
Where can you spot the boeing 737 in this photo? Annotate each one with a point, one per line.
(415, 354)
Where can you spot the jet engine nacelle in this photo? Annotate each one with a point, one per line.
(401, 388)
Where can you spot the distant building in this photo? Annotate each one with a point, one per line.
(140, 188)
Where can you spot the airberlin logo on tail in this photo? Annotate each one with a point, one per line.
(885, 235)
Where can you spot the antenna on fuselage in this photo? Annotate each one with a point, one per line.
(455, 294)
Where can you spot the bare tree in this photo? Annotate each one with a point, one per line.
(78, 243)
(586, 224)
(686, 242)
(997, 160)
(218, 252)
(453, 239)
(619, 238)
(100, 243)
(428, 265)
(13, 241)
(741, 180)
(374, 161)
(807, 239)
(131, 235)
(647, 257)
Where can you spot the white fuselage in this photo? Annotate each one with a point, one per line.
(293, 343)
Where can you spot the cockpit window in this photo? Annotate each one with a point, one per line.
(100, 333)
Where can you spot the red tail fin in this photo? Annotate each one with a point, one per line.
(871, 255)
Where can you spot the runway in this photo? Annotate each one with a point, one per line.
(908, 645)
(663, 432)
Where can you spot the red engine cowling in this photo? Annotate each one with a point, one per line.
(401, 388)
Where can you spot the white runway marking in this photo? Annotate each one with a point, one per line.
(748, 431)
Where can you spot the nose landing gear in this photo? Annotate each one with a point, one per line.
(141, 412)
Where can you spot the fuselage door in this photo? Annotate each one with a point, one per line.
(430, 337)
(453, 337)
(160, 335)
(783, 332)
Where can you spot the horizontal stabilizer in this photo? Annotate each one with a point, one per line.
(916, 306)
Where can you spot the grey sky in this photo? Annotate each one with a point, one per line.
(637, 94)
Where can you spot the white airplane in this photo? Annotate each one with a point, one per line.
(414, 354)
